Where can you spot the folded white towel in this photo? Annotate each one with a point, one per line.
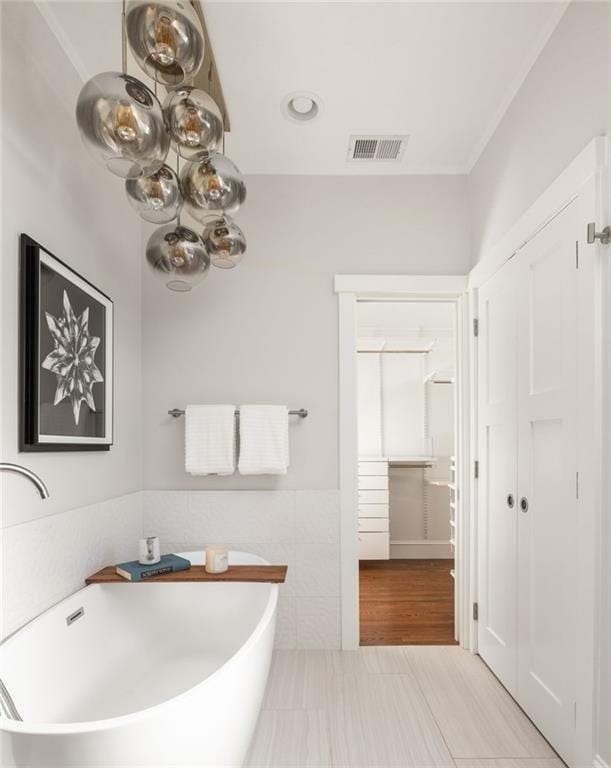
(210, 439)
(264, 440)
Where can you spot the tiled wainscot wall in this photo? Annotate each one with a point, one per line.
(47, 559)
(297, 528)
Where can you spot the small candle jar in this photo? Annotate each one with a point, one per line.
(149, 550)
(217, 559)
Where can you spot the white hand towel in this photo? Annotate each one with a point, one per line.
(264, 440)
(210, 439)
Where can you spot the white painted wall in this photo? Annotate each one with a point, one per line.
(54, 191)
(561, 106)
(267, 332)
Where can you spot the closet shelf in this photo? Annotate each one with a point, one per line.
(439, 377)
(411, 461)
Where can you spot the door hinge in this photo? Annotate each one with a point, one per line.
(576, 485)
(475, 612)
(476, 469)
(576, 254)
(604, 236)
(475, 326)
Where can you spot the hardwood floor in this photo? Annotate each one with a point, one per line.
(407, 602)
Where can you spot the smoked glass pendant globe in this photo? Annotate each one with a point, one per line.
(212, 185)
(157, 198)
(225, 242)
(194, 121)
(166, 38)
(122, 124)
(177, 256)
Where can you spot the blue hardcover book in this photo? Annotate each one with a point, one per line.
(135, 571)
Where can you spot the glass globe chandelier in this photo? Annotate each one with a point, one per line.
(210, 185)
(178, 256)
(225, 242)
(166, 39)
(194, 121)
(123, 124)
(157, 198)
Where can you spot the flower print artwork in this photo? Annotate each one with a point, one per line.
(72, 358)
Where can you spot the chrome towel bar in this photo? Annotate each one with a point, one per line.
(301, 412)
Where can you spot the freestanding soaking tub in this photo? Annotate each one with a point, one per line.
(153, 674)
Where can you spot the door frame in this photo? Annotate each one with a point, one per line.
(350, 289)
(582, 183)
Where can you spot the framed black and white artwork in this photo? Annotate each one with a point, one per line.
(66, 357)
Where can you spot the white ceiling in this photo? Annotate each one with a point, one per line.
(444, 73)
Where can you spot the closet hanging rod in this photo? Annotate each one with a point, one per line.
(301, 412)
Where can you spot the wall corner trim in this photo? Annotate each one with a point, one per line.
(57, 30)
(561, 193)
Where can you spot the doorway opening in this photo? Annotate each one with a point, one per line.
(407, 457)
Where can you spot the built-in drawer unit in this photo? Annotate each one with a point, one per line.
(373, 524)
(374, 535)
(373, 497)
(374, 546)
(373, 510)
(373, 482)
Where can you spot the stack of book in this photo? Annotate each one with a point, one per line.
(135, 571)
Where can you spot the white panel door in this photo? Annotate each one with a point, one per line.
(497, 508)
(547, 466)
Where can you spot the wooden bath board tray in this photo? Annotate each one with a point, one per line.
(275, 574)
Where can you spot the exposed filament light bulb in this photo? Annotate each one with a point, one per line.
(165, 43)
(126, 125)
(193, 127)
(214, 187)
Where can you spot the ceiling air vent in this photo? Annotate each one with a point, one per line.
(382, 148)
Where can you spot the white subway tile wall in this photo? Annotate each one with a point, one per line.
(297, 528)
(47, 559)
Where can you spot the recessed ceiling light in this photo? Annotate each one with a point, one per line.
(301, 106)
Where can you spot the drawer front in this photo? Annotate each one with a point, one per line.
(373, 497)
(373, 482)
(373, 467)
(373, 510)
(374, 546)
(373, 524)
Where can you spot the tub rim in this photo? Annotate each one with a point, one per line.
(89, 726)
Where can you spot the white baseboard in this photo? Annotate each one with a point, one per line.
(600, 763)
(420, 550)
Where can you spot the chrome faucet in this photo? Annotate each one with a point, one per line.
(6, 466)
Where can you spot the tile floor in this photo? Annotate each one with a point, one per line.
(413, 706)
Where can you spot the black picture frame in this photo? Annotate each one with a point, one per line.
(66, 356)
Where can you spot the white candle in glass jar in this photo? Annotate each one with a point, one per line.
(217, 559)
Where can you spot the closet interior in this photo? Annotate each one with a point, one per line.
(406, 363)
